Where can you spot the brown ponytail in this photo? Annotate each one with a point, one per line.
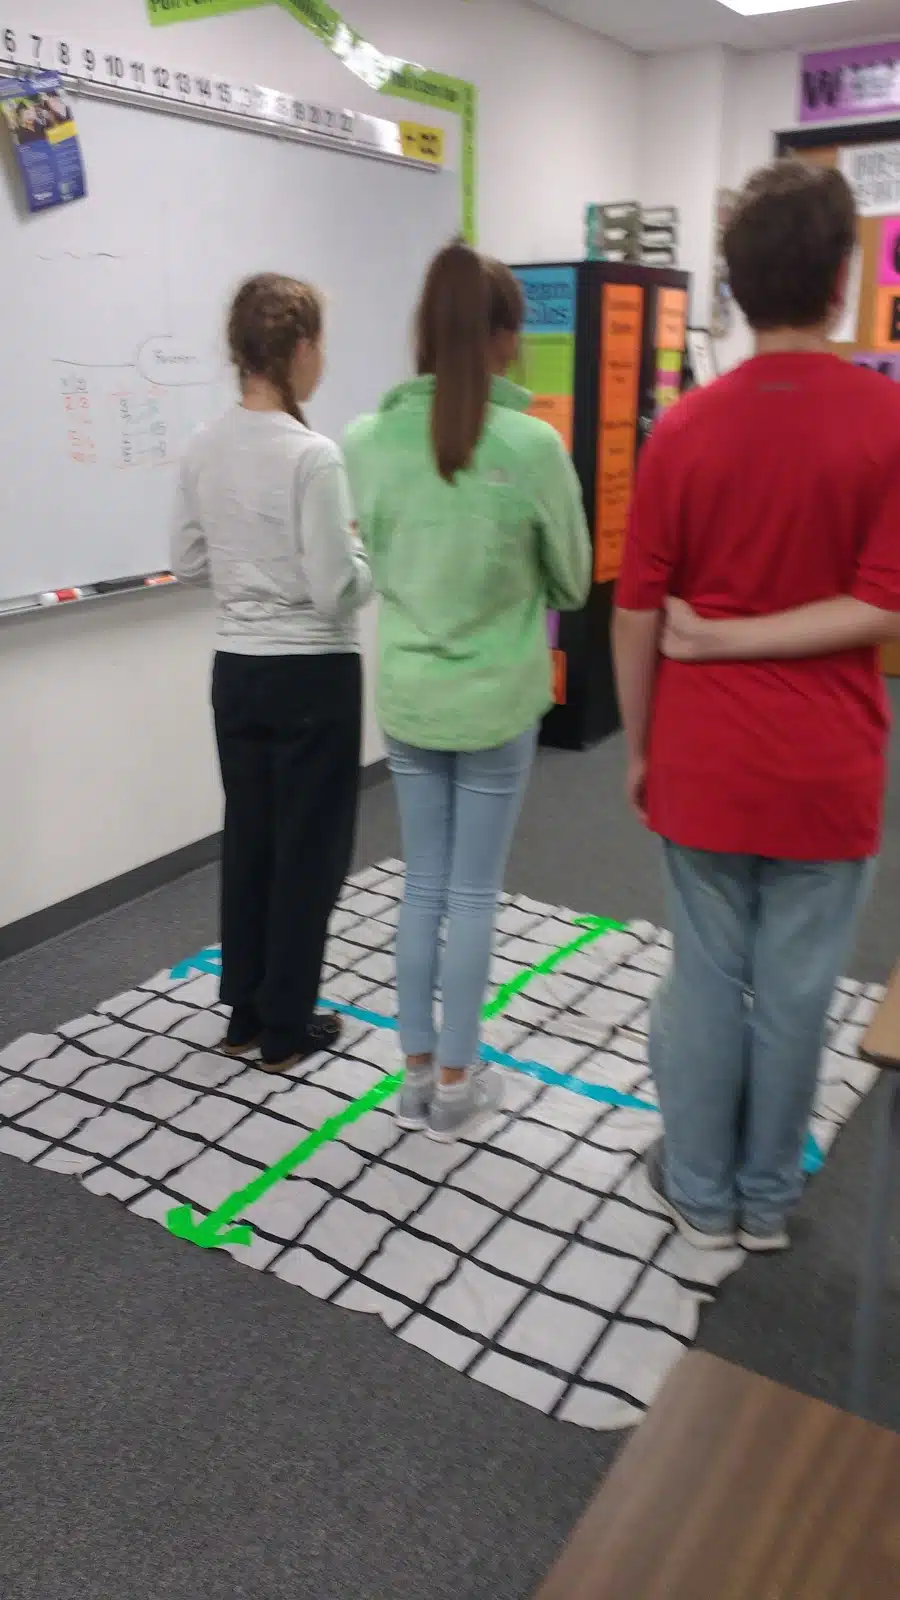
(465, 301)
(269, 317)
(452, 332)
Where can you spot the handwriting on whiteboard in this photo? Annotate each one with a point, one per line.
(79, 417)
(114, 417)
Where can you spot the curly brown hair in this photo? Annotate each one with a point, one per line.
(792, 230)
(269, 316)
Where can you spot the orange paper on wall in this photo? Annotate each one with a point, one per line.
(671, 319)
(560, 677)
(558, 410)
(620, 369)
(887, 319)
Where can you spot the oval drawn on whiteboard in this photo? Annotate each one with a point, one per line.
(166, 361)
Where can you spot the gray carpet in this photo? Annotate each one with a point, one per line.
(177, 1428)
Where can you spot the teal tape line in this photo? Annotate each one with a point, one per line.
(563, 1080)
(209, 960)
(529, 1069)
(375, 1019)
(813, 1159)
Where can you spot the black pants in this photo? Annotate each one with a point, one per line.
(288, 731)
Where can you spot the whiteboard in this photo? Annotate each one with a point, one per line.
(114, 311)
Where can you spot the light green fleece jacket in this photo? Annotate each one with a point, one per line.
(466, 571)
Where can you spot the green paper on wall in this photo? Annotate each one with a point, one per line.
(547, 363)
(161, 12)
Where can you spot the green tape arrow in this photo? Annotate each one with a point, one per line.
(211, 1232)
(594, 928)
(215, 1230)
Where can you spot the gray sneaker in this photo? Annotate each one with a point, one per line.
(700, 1238)
(414, 1102)
(460, 1109)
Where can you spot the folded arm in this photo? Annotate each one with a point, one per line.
(826, 627)
(336, 565)
(868, 615)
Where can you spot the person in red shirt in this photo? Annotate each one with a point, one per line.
(761, 570)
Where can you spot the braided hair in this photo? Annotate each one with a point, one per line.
(269, 317)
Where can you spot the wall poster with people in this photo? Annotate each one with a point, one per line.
(45, 139)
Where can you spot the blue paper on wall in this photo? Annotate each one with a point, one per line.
(45, 139)
(549, 298)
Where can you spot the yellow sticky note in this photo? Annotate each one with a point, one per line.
(421, 143)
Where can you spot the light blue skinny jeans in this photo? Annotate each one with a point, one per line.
(458, 814)
(737, 1029)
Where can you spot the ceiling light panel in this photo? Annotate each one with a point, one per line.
(769, 8)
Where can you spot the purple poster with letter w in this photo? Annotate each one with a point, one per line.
(860, 81)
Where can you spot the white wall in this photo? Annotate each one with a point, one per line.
(104, 725)
(680, 139)
(761, 102)
(707, 118)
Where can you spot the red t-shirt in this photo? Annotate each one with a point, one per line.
(776, 486)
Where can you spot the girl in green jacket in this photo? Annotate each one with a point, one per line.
(472, 515)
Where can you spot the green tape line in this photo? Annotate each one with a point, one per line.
(595, 928)
(402, 80)
(211, 1232)
(215, 1230)
(320, 19)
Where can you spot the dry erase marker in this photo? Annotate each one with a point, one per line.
(160, 578)
(118, 585)
(58, 597)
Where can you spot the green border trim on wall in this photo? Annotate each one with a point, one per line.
(440, 93)
(407, 82)
(319, 18)
(161, 12)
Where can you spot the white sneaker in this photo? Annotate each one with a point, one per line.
(458, 1110)
(764, 1244)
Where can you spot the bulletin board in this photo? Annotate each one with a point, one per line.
(868, 154)
(602, 353)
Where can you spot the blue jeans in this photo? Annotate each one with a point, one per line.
(737, 1029)
(458, 814)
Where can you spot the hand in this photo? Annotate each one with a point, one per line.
(636, 788)
(684, 633)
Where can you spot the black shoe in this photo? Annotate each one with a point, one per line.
(244, 1031)
(282, 1051)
